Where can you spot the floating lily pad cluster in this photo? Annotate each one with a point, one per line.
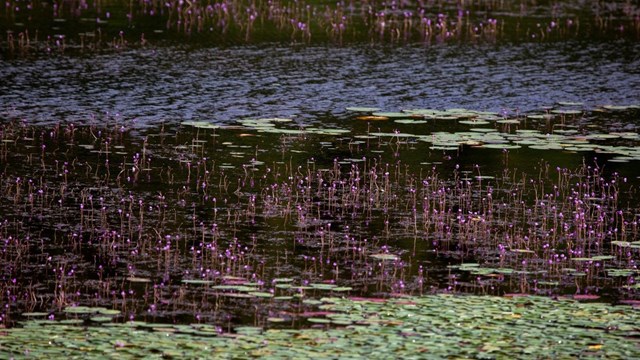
(269, 125)
(492, 130)
(426, 327)
(283, 288)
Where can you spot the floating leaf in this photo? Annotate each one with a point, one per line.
(323, 286)
(410, 121)
(395, 115)
(391, 257)
(474, 122)
(200, 124)
(83, 310)
(34, 314)
(617, 107)
(517, 325)
(501, 146)
(566, 112)
(109, 312)
(261, 294)
(197, 281)
(342, 289)
(540, 117)
(242, 288)
(276, 319)
(372, 118)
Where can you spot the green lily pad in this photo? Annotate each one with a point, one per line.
(261, 294)
(323, 286)
(540, 116)
(342, 288)
(283, 280)
(83, 310)
(410, 121)
(617, 107)
(200, 124)
(276, 319)
(621, 243)
(34, 314)
(501, 146)
(197, 281)
(391, 257)
(438, 326)
(109, 312)
(241, 288)
(392, 115)
(566, 112)
(475, 122)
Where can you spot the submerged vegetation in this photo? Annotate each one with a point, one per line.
(199, 221)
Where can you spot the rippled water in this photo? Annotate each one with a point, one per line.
(171, 84)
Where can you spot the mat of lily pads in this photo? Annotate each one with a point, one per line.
(414, 327)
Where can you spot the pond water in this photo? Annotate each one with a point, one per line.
(234, 182)
(220, 85)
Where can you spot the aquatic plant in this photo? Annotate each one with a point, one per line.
(199, 221)
(430, 326)
(119, 24)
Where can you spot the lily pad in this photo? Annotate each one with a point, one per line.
(261, 294)
(34, 314)
(83, 310)
(394, 115)
(390, 257)
(200, 124)
(442, 326)
(197, 281)
(372, 118)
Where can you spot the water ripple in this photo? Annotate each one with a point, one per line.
(172, 84)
